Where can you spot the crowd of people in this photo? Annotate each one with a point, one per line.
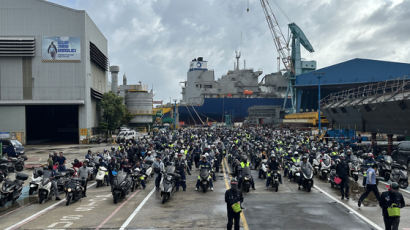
(244, 148)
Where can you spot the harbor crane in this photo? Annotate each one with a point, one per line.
(289, 54)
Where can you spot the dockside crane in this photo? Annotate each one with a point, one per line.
(289, 56)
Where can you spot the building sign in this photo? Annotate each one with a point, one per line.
(61, 49)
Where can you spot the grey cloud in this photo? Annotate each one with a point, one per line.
(154, 40)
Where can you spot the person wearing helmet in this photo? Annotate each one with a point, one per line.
(149, 157)
(181, 168)
(88, 155)
(233, 200)
(273, 165)
(391, 201)
(204, 164)
(306, 167)
(368, 163)
(83, 173)
(295, 159)
(77, 163)
(371, 185)
(159, 167)
(342, 170)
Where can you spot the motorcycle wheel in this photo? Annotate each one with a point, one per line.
(308, 187)
(164, 197)
(356, 178)
(31, 191)
(276, 188)
(68, 200)
(40, 199)
(332, 185)
(2, 202)
(98, 183)
(115, 198)
(403, 184)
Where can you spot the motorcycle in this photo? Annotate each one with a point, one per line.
(35, 180)
(121, 185)
(167, 183)
(354, 166)
(45, 188)
(102, 176)
(316, 166)
(204, 176)
(295, 172)
(385, 167)
(286, 167)
(307, 180)
(92, 169)
(74, 191)
(137, 176)
(324, 169)
(399, 175)
(246, 179)
(332, 177)
(263, 169)
(273, 176)
(11, 190)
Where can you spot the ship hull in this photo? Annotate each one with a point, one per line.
(215, 109)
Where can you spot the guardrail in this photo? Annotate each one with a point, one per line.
(393, 87)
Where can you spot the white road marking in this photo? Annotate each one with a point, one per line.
(350, 209)
(127, 222)
(22, 222)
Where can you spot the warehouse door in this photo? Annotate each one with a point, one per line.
(52, 124)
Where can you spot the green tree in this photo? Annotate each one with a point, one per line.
(114, 112)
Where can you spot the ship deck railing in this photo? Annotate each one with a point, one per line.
(397, 89)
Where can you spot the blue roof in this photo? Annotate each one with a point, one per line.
(354, 71)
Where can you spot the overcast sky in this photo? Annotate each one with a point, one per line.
(153, 41)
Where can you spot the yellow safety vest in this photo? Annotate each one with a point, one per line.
(243, 164)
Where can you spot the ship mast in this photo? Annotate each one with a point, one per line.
(238, 56)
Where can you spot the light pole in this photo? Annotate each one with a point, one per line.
(319, 76)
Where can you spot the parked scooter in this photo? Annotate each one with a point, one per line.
(324, 169)
(35, 180)
(45, 188)
(385, 167)
(102, 176)
(11, 190)
(332, 177)
(399, 175)
(74, 191)
(307, 180)
(354, 166)
(167, 184)
(121, 185)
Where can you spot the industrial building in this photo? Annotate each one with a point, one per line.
(53, 71)
(342, 76)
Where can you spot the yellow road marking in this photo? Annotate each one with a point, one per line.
(225, 164)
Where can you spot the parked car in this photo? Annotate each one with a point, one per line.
(12, 147)
(131, 135)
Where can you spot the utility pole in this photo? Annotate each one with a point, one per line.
(319, 76)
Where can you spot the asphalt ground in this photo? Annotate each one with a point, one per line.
(289, 208)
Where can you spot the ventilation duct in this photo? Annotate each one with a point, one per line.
(17, 46)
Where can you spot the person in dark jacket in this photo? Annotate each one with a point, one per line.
(391, 201)
(233, 196)
(342, 170)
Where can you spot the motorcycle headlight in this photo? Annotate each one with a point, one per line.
(69, 190)
(246, 178)
(169, 177)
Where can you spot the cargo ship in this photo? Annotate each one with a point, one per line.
(205, 99)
